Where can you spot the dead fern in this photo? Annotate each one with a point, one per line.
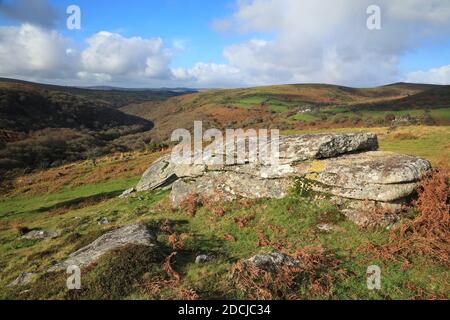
(175, 241)
(313, 277)
(429, 232)
(243, 221)
(155, 288)
(169, 269)
(263, 241)
(165, 227)
(191, 204)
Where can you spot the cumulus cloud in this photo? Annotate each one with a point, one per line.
(112, 55)
(35, 52)
(327, 41)
(38, 12)
(208, 75)
(439, 75)
(287, 41)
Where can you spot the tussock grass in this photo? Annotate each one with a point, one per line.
(231, 232)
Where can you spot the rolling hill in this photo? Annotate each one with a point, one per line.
(46, 125)
(35, 119)
(27, 111)
(114, 97)
(50, 130)
(298, 107)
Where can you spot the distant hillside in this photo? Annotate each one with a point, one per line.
(27, 111)
(114, 97)
(296, 106)
(436, 97)
(43, 125)
(80, 123)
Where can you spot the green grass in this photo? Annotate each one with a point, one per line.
(339, 113)
(335, 110)
(291, 222)
(438, 114)
(306, 117)
(429, 142)
(19, 206)
(274, 104)
(278, 108)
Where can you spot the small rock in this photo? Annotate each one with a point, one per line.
(103, 221)
(23, 279)
(40, 235)
(137, 234)
(273, 261)
(127, 193)
(203, 258)
(326, 227)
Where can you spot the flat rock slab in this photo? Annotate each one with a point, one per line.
(376, 167)
(272, 262)
(137, 234)
(23, 279)
(127, 193)
(378, 176)
(346, 166)
(321, 146)
(40, 235)
(161, 173)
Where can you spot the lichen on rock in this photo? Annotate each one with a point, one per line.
(344, 166)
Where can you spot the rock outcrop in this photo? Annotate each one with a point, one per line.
(23, 279)
(346, 167)
(40, 235)
(159, 175)
(272, 262)
(137, 234)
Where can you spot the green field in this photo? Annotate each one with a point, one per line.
(340, 113)
(274, 104)
(232, 232)
(432, 143)
(18, 207)
(295, 221)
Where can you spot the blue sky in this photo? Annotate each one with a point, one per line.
(188, 22)
(227, 43)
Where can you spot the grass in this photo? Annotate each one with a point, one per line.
(429, 142)
(19, 206)
(339, 113)
(237, 231)
(273, 103)
(288, 223)
(306, 117)
(441, 114)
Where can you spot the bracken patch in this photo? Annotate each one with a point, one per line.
(312, 278)
(429, 232)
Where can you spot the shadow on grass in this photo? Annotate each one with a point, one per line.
(128, 270)
(78, 203)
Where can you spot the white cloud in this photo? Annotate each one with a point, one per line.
(31, 51)
(288, 41)
(113, 55)
(439, 75)
(208, 75)
(328, 41)
(40, 54)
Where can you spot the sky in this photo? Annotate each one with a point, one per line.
(225, 43)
